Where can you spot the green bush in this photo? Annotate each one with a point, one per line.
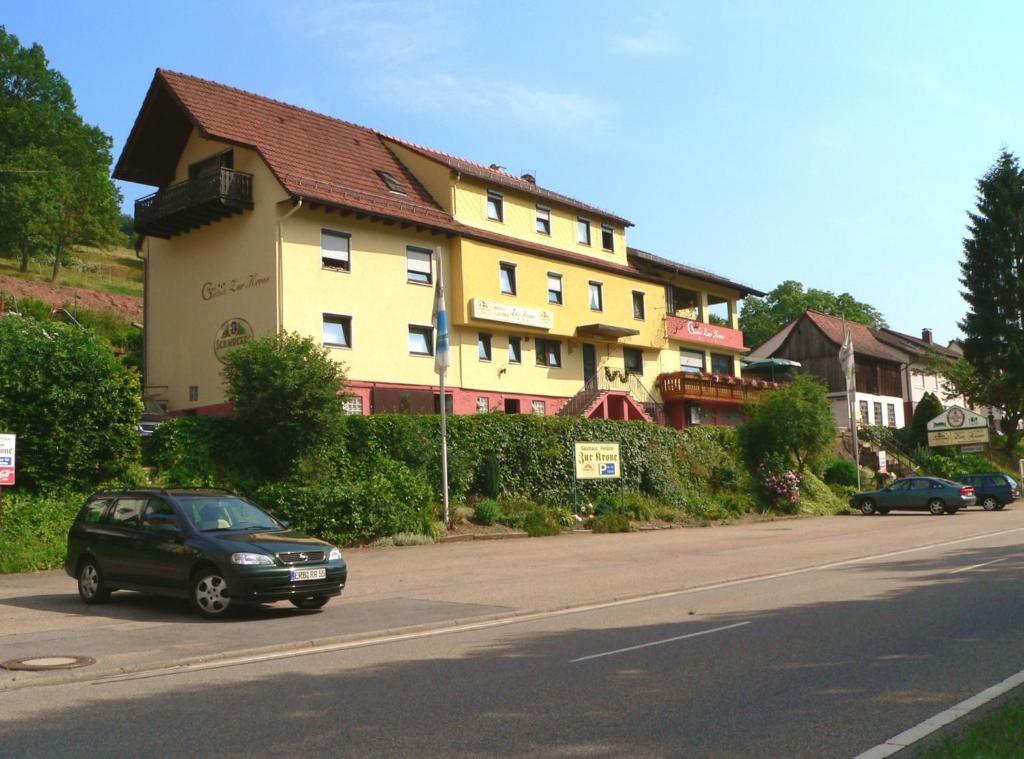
(196, 451)
(34, 529)
(73, 405)
(818, 498)
(792, 425)
(541, 522)
(840, 472)
(286, 394)
(487, 512)
(611, 522)
(389, 501)
(491, 476)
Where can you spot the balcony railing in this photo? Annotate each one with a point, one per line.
(188, 205)
(710, 387)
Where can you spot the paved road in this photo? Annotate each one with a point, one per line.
(812, 662)
(823, 662)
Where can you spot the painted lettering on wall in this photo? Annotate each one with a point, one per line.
(213, 290)
(693, 331)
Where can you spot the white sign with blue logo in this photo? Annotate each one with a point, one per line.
(598, 461)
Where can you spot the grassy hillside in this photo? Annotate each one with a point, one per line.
(116, 271)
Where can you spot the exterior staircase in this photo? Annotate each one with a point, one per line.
(898, 461)
(613, 394)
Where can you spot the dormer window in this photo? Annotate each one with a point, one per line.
(391, 181)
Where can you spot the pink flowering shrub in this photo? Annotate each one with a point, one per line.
(783, 488)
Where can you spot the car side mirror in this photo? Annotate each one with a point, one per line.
(286, 523)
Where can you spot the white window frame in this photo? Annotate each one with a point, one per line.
(557, 278)
(583, 225)
(484, 346)
(539, 408)
(353, 405)
(419, 329)
(543, 219)
(343, 262)
(342, 320)
(414, 264)
(610, 231)
(515, 357)
(498, 200)
(643, 305)
(600, 295)
(483, 404)
(511, 268)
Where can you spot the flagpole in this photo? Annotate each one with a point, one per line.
(851, 398)
(441, 363)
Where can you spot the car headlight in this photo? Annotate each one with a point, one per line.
(258, 559)
(334, 555)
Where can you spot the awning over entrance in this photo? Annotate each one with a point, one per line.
(606, 331)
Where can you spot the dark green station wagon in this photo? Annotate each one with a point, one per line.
(211, 547)
(933, 494)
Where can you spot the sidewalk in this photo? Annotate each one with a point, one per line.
(416, 587)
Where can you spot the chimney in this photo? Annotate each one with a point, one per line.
(530, 177)
(926, 335)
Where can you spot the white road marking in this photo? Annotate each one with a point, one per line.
(315, 648)
(977, 566)
(930, 725)
(658, 642)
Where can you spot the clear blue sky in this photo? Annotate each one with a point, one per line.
(833, 143)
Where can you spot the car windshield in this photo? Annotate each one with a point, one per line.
(213, 513)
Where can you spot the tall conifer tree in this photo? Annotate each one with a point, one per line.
(993, 279)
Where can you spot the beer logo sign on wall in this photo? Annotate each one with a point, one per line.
(231, 334)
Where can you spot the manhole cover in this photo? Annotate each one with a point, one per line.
(44, 663)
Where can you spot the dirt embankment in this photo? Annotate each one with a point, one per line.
(128, 306)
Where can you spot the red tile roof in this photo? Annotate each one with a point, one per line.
(864, 340)
(311, 155)
(498, 176)
(315, 156)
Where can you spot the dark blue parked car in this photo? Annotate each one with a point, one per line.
(993, 489)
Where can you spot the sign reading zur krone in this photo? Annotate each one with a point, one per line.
(597, 461)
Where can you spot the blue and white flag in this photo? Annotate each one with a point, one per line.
(442, 356)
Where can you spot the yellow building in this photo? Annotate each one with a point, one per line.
(272, 217)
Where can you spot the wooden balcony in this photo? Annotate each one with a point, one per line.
(720, 388)
(180, 208)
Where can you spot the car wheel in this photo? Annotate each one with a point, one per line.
(310, 602)
(989, 503)
(867, 507)
(210, 593)
(90, 583)
(936, 506)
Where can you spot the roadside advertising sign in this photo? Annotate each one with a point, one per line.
(598, 461)
(7, 446)
(882, 463)
(968, 436)
(972, 448)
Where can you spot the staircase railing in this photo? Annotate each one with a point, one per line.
(619, 381)
(884, 438)
(583, 399)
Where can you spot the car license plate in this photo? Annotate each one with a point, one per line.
(309, 574)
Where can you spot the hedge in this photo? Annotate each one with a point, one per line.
(381, 477)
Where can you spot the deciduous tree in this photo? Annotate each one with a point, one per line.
(760, 318)
(55, 187)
